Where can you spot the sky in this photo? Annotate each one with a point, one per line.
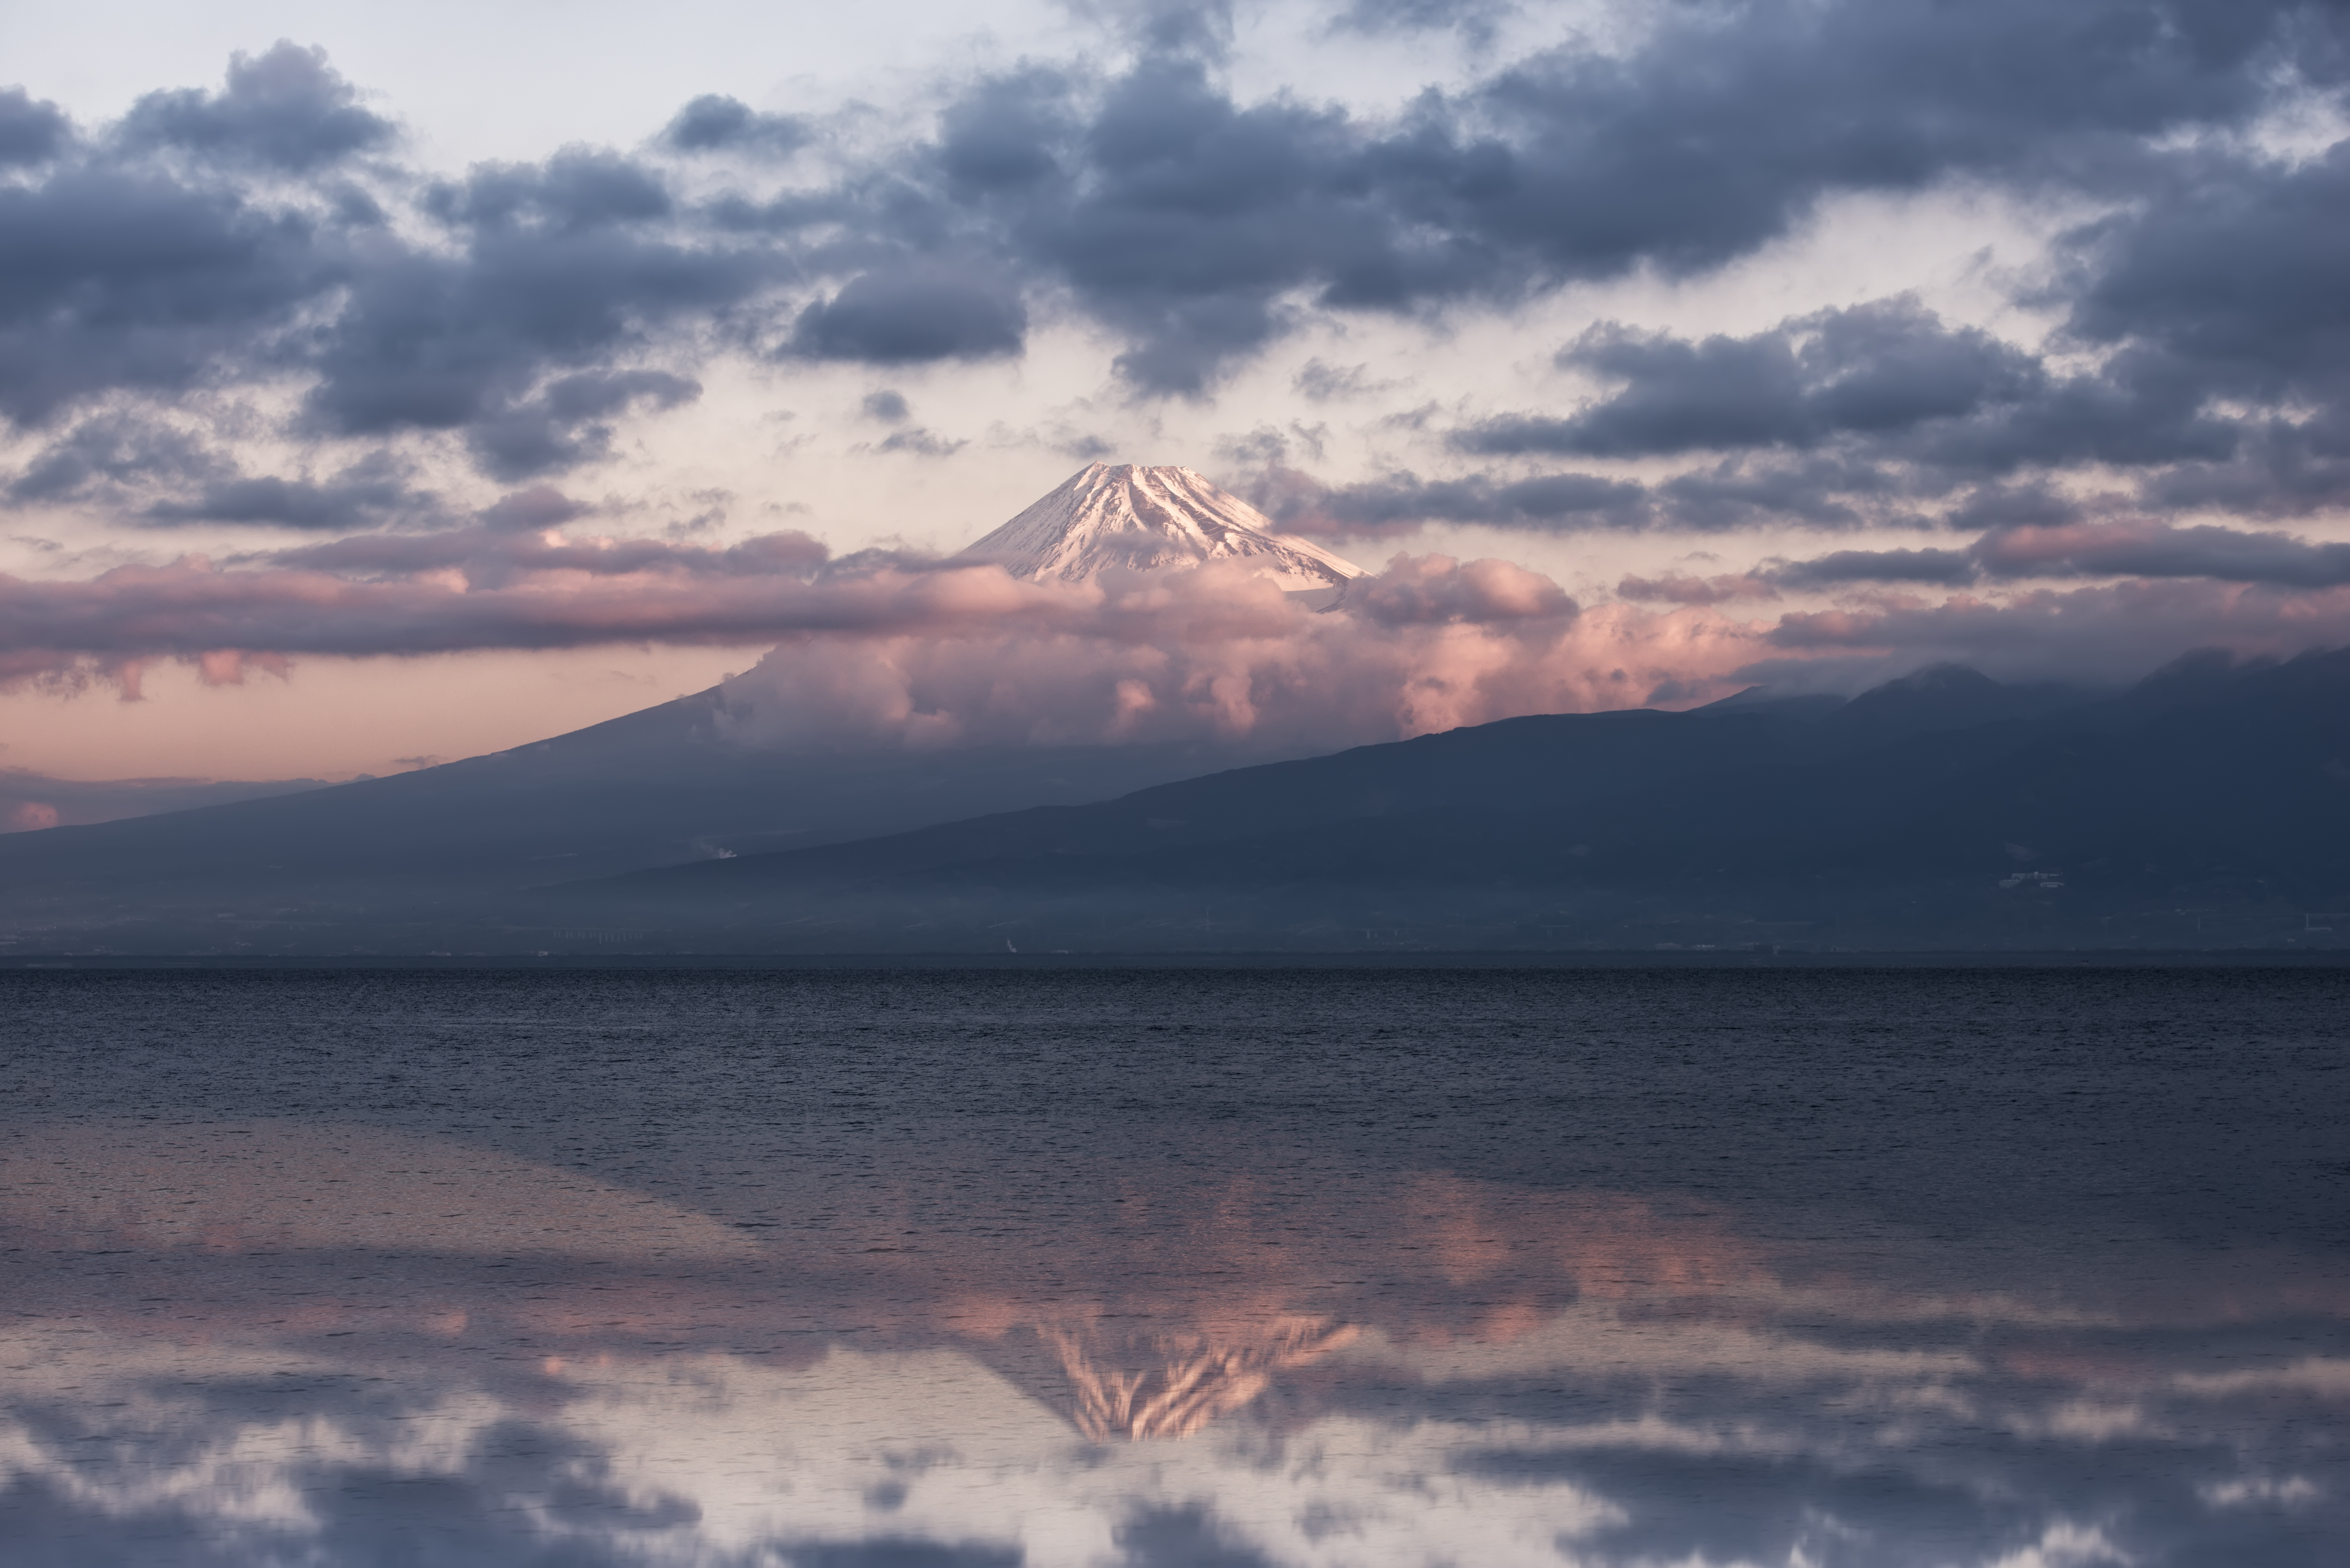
(383, 387)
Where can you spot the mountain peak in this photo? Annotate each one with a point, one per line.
(1145, 519)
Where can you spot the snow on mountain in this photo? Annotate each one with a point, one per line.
(1145, 518)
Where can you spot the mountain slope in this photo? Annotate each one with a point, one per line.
(31, 801)
(651, 789)
(2097, 821)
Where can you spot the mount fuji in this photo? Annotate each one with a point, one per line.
(1148, 519)
(652, 788)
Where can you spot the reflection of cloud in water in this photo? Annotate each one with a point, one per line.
(274, 1344)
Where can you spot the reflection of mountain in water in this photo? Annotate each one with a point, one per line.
(1191, 1380)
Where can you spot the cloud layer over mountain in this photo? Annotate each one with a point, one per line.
(251, 309)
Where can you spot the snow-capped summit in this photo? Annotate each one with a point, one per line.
(1143, 518)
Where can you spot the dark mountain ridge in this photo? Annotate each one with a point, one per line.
(2208, 805)
(2213, 800)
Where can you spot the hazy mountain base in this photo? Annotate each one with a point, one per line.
(30, 802)
(2207, 808)
(981, 918)
(655, 789)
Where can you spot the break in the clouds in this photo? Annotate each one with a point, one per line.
(254, 307)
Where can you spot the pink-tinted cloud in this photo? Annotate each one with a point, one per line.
(447, 593)
(488, 555)
(1725, 587)
(2154, 550)
(2111, 632)
(1429, 643)
(889, 649)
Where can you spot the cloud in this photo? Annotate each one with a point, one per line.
(713, 121)
(1428, 643)
(563, 424)
(286, 109)
(2230, 272)
(260, 235)
(116, 451)
(911, 315)
(255, 264)
(1475, 20)
(368, 493)
(2109, 633)
(32, 130)
(1945, 566)
(1722, 588)
(1323, 383)
(920, 442)
(2145, 550)
(1871, 369)
(489, 586)
(118, 281)
(497, 551)
(1401, 503)
(557, 269)
(1187, 221)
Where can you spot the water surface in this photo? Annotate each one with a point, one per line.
(1177, 1267)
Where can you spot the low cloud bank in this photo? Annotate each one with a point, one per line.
(1213, 654)
(890, 648)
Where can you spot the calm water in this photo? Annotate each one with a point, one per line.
(901, 1269)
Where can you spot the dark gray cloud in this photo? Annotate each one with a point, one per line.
(564, 424)
(1198, 228)
(2226, 554)
(2141, 550)
(32, 130)
(1901, 408)
(887, 405)
(562, 268)
(287, 108)
(713, 121)
(118, 279)
(1184, 219)
(112, 280)
(1946, 568)
(1820, 491)
(2236, 271)
(579, 188)
(1009, 134)
(907, 315)
(368, 493)
(116, 450)
(158, 474)
(1871, 370)
(1400, 503)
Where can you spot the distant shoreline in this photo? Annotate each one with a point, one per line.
(993, 964)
